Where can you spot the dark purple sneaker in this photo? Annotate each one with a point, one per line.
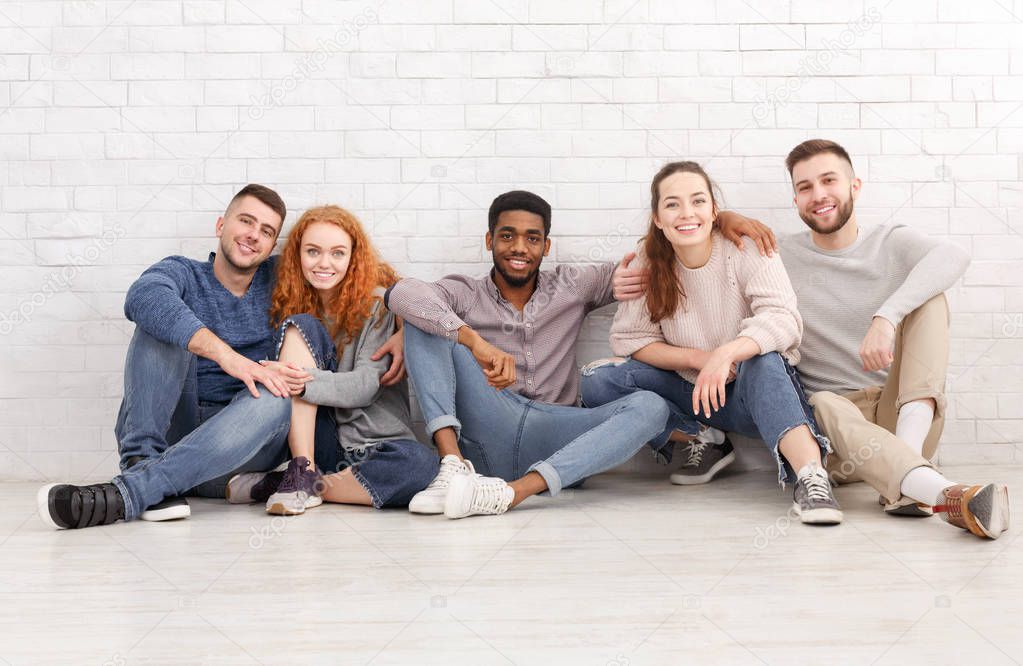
(299, 489)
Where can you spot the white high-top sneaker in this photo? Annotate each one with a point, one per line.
(476, 494)
(430, 500)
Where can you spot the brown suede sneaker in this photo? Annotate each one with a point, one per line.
(983, 510)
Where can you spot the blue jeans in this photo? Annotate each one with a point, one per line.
(508, 435)
(188, 446)
(765, 401)
(391, 471)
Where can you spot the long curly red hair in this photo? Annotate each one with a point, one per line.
(353, 303)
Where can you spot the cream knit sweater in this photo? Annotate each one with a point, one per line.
(736, 293)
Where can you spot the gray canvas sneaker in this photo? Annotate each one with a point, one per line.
(704, 460)
(813, 501)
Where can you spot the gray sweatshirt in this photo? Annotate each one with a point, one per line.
(366, 412)
(888, 272)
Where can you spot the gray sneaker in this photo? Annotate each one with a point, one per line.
(703, 462)
(299, 490)
(813, 501)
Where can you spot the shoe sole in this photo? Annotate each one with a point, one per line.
(990, 508)
(911, 510)
(685, 480)
(162, 515)
(818, 516)
(43, 505)
(280, 509)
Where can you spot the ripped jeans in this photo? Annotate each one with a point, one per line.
(765, 401)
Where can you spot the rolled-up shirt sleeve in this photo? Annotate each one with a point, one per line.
(434, 307)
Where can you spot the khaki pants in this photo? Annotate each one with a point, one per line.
(861, 424)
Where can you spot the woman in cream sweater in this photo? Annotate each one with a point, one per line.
(716, 335)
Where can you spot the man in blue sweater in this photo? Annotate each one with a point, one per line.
(200, 402)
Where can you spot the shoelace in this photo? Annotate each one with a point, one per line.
(292, 480)
(447, 470)
(489, 496)
(817, 487)
(696, 450)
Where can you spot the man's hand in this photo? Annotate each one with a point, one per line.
(250, 372)
(395, 346)
(498, 366)
(629, 283)
(734, 226)
(206, 344)
(295, 377)
(876, 350)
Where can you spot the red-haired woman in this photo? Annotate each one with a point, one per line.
(328, 311)
(716, 336)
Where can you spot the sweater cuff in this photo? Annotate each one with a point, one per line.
(183, 332)
(763, 338)
(316, 390)
(889, 313)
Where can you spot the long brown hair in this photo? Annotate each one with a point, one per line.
(665, 294)
(354, 299)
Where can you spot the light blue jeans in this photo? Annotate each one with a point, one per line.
(765, 401)
(188, 446)
(507, 435)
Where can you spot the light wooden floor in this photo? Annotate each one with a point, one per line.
(629, 570)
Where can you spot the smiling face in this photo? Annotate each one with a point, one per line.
(825, 189)
(685, 209)
(248, 233)
(518, 246)
(325, 254)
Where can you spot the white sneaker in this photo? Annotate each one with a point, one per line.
(430, 500)
(475, 494)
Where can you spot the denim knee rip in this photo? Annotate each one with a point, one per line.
(316, 336)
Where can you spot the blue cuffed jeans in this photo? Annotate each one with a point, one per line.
(391, 471)
(507, 435)
(187, 446)
(765, 401)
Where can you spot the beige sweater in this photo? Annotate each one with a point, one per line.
(736, 293)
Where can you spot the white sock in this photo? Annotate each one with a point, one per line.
(914, 423)
(710, 435)
(925, 485)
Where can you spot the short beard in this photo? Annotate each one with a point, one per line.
(231, 262)
(516, 282)
(845, 211)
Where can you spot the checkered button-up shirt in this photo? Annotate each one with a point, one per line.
(542, 337)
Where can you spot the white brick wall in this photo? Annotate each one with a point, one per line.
(125, 127)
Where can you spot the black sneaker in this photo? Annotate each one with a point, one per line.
(67, 507)
(703, 462)
(171, 508)
(812, 499)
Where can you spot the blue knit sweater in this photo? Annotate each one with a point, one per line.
(177, 296)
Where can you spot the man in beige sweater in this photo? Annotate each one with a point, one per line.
(874, 352)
